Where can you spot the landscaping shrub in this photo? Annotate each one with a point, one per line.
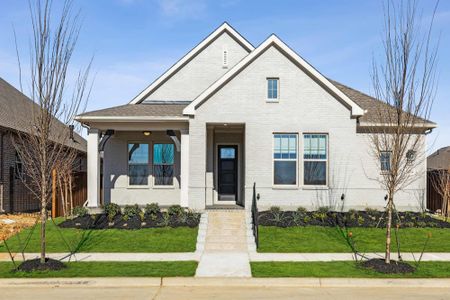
(165, 221)
(175, 210)
(111, 211)
(302, 210)
(323, 209)
(131, 211)
(80, 211)
(275, 217)
(152, 209)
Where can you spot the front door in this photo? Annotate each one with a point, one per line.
(228, 172)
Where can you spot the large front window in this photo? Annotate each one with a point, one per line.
(138, 164)
(163, 160)
(285, 159)
(315, 159)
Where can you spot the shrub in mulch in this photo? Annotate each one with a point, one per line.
(157, 220)
(395, 267)
(352, 218)
(36, 265)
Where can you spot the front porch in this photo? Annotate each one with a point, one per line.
(145, 162)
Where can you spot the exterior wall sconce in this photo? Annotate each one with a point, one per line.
(147, 133)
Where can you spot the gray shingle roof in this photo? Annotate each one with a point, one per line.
(16, 111)
(140, 110)
(372, 105)
(440, 159)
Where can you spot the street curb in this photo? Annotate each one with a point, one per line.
(228, 281)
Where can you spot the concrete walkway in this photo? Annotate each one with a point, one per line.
(225, 252)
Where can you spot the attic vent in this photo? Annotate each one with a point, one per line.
(225, 58)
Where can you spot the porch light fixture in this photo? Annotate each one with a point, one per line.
(147, 133)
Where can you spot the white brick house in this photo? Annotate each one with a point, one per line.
(228, 115)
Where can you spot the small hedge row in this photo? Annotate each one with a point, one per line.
(133, 217)
(353, 218)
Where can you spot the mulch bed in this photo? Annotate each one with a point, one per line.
(101, 221)
(36, 265)
(395, 267)
(348, 219)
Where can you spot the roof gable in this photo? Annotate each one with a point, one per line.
(273, 40)
(225, 28)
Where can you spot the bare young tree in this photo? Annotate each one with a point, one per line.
(440, 180)
(405, 81)
(44, 146)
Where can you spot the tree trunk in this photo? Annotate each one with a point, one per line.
(43, 224)
(387, 258)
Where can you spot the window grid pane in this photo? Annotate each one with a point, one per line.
(163, 160)
(272, 88)
(285, 159)
(385, 160)
(315, 159)
(138, 159)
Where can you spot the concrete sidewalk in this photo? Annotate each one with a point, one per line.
(195, 256)
(310, 257)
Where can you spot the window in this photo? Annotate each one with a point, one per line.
(272, 88)
(138, 164)
(285, 159)
(315, 159)
(385, 161)
(163, 159)
(18, 167)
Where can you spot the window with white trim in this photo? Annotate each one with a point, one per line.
(285, 159)
(163, 163)
(138, 159)
(273, 89)
(315, 159)
(385, 161)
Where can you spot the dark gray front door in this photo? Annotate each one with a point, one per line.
(228, 172)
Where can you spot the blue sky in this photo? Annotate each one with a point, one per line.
(134, 41)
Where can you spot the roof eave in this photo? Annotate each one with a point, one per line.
(87, 119)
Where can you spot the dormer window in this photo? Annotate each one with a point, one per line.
(273, 87)
(225, 58)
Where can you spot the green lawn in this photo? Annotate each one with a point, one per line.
(342, 269)
(181, 239)
(108, 269)
(328, 239)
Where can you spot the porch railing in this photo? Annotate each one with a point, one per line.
(255, 215)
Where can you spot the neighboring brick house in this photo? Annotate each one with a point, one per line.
(15, 112)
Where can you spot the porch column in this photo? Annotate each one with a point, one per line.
(184, 168)
(93, 168)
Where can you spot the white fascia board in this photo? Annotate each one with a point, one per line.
(129, 119)
(356, 110)
(224, 27)
(417, 125)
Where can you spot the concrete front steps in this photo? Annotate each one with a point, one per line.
(226, 246)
